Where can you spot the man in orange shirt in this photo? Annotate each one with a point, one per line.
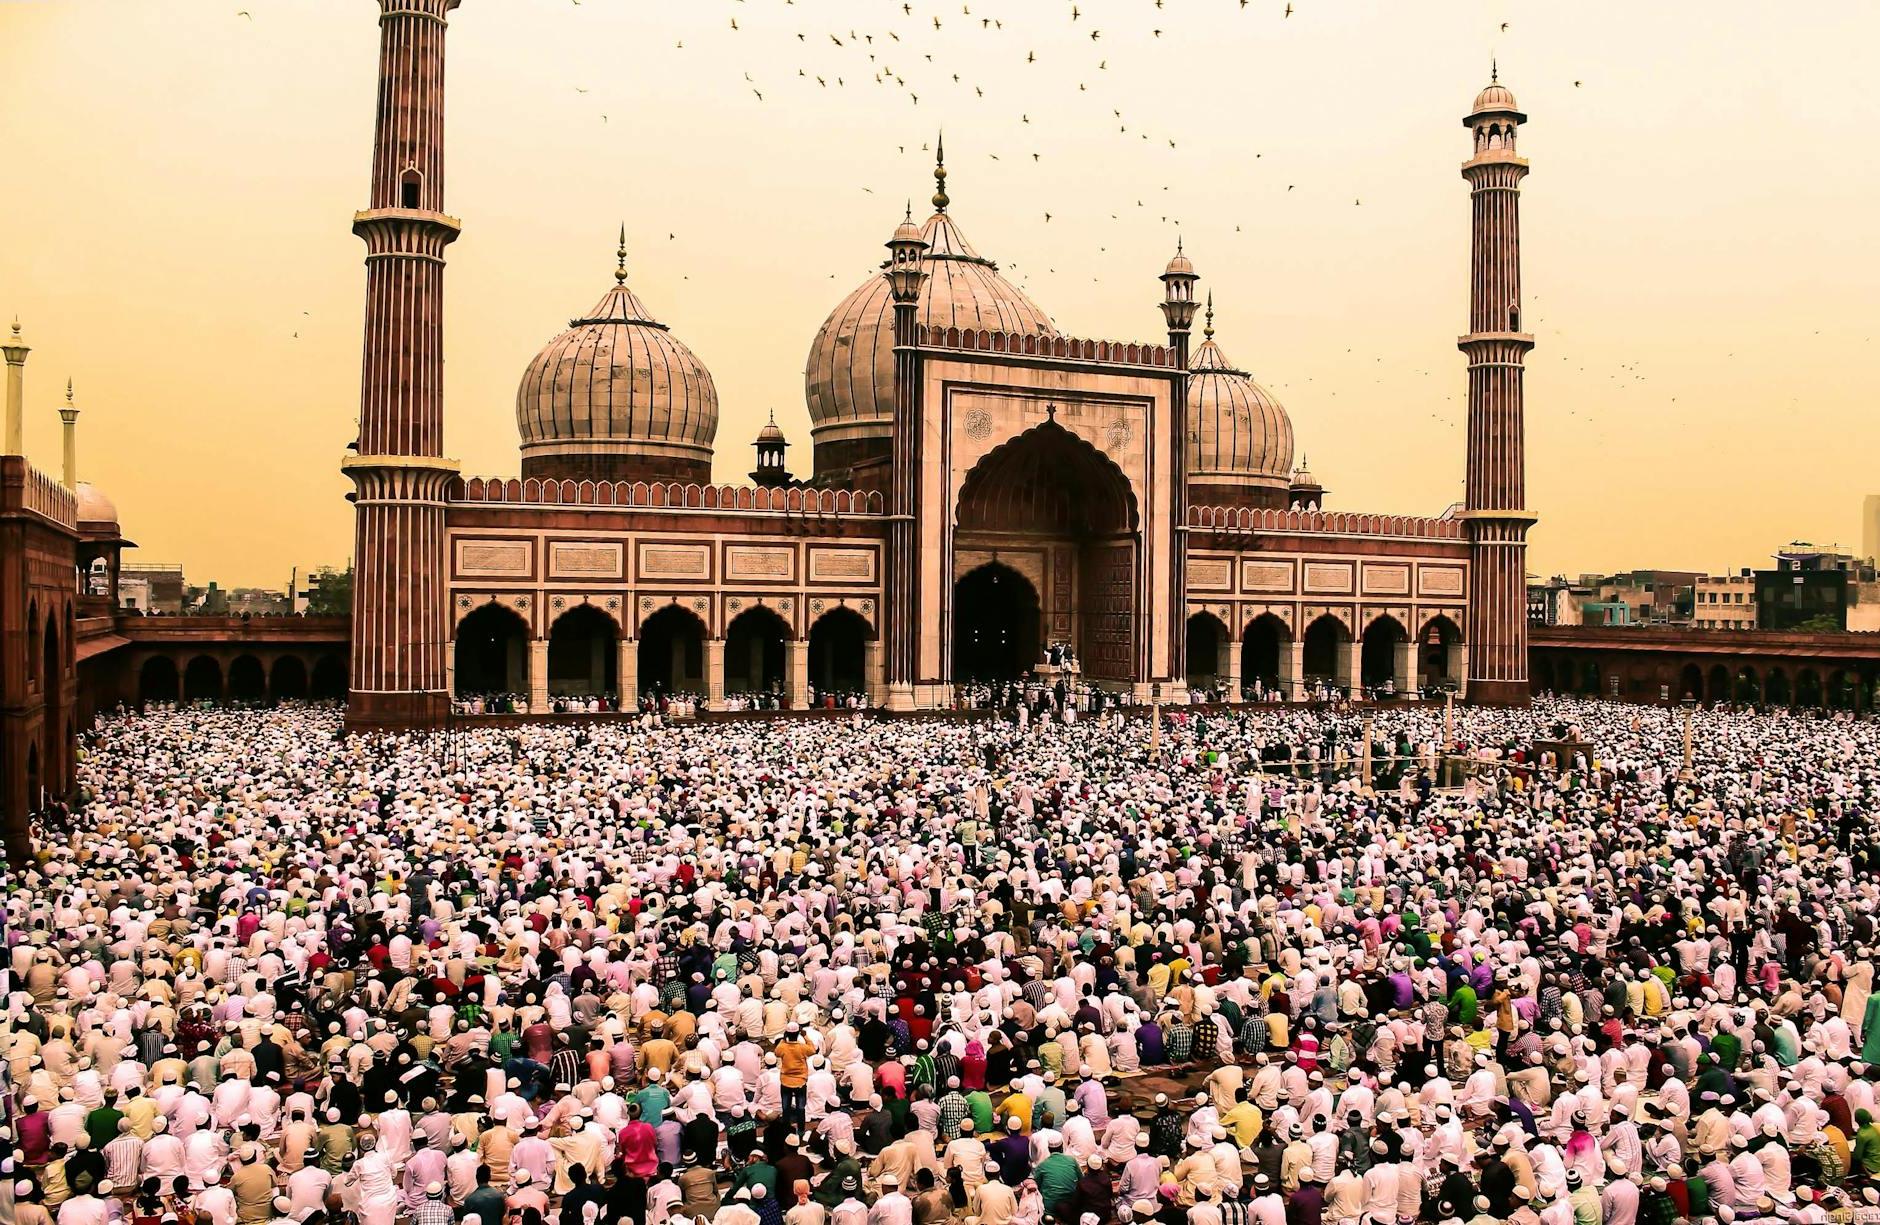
(793, 1073)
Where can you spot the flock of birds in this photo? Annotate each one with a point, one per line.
(913, 51)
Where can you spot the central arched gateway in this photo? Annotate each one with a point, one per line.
(1045, 552)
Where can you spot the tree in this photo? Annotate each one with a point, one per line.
(329, 592)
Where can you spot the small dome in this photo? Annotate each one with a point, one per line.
(1302, 477)
(1497, 97)
(907, 231)
(94, 506)
(849, 377)
(1180, 265)
(770, 432)
(1238, 434)
(617, 383)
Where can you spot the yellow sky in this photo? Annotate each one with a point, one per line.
(1699, 247)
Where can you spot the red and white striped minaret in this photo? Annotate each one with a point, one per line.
(1494, 502)
(400, 477)
(905, 274)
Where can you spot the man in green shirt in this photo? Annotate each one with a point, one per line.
(979, 1105)
(1584, 1199)
(1866, 1144)
(1056, 1176)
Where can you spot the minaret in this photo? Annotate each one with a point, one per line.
(400, 475)
(1178, 310)
(1495, 497)
(68, 414)
(901, 597)
(16, 351)
(771, 444)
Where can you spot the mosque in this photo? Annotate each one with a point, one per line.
(983, 488)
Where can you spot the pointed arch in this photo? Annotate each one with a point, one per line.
(1208, 645)
(491, 652)
(1327, 649)
(584, 652)
(1047, 479)
(1385, 653)
(757, 651)
(672, 651)
(838, 654)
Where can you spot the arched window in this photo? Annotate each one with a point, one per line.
(33, 643)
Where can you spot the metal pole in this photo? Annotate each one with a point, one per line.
(1369, 715)
(1449, 730)
(1690, 718)
(1155, 719)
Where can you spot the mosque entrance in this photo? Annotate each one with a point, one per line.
(583, 653)
(838, 653)
(157, 680)
(1208, 648)
(1438, 666)
(995, 625)
(492, 654)
(1045, 550)
(755, 652)
(672, 652)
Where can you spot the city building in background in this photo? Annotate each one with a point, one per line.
(163, 582)
(1633, 597)
(1814, 588)
(1726, 601)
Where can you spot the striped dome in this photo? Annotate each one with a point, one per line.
(1496, 97)
(1238, 434)
(617, 383)
(849, 378)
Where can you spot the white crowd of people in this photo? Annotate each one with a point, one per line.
(881, 972)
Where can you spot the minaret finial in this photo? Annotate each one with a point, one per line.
(773, 416)
(68, 389)
(1208, 330)
(940, 200)
(16, 327)
(620, 270)
(1494, 71)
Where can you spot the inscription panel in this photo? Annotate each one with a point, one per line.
(495, 558)
(1440, 580)
(841, 565)
(1387, 580)
(1210, 574)
(1324, 576)
(743, 561)
(582, 559)
(1266, 576)
(669, 561)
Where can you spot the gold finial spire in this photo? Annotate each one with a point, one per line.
(1208, 331)
(620, 270)
(68, 389)
(940, 200)
(1494, 72)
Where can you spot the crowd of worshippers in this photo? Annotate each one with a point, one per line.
(897, 973)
